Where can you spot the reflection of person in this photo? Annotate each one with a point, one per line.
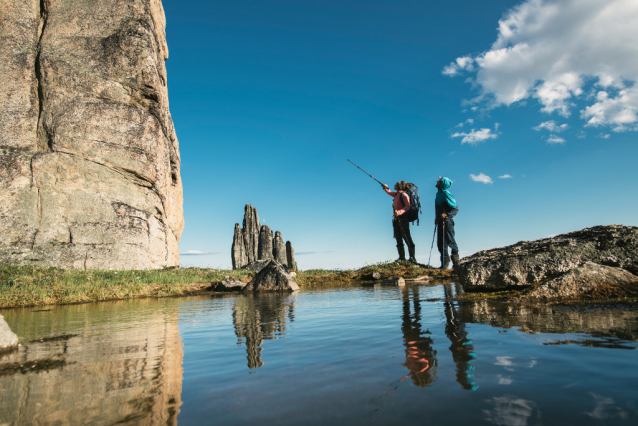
(446, 208)
(462, 348)
(400, 222)
(259, 318)
(420, 358)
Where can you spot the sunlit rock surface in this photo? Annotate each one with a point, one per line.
(272, 277)
(530, 262)
(89, 160)
(8, 339)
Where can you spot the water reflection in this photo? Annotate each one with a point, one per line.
(97, 373)
(462, 348)
(259, 317)
(420, 357)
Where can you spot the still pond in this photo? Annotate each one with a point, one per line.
(355, 355)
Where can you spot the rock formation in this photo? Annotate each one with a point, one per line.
(265, 243)
(239, 257)
(89, 160)
(251, 228)
(290, 257)
(279, 249)
(528, 263)
(230, 285)
(254, 245)
(272, 277)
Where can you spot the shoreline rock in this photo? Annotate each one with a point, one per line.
(531, 262)
(272, 277)
(8, 339)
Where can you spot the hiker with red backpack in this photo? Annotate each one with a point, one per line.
(405, 207)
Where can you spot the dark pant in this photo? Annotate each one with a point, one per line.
(399, 235)
(449, 238)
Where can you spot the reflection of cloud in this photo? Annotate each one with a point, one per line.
(503, 380)
(606, 409)
(511, 411)
(301, 253)
(198, 253)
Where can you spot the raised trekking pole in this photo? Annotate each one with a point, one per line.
(443, 247)
(365, 172)
(431, 247)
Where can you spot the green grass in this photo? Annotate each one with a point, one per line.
(35, 286)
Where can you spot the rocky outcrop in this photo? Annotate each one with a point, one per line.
(239, 257)
(290, 257)
(272, 278)
(394, 281)
(532, 262)
(89, 160)
(230, 285)
(8, 339)
(265, 243)
(279, 249)
(251, 228)
(589, 280)
(258, 245)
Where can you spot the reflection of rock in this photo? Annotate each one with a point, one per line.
(100, 372)
(530, 262)
(240, 257)
(8, 339)
(230, 285)
(598, 321)
(265, 250)
(394, 281)
(259, 245)
(261, 317)
(272, 277)
(590, 279)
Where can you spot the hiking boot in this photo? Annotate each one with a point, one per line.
(411, 250)
(445, 265)
(401, 251)
(455, 261)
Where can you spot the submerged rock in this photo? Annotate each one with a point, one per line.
(8, 339)
(530, 262)
(230, 285)
(272, 277)
(590, 279)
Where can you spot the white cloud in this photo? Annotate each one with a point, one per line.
(475, 136)
(468, 121)
(551, 126)
(555, 139)
(197, 253)
(483, 178)
(505, 177)
(550, 49)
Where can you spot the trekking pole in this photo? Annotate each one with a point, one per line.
(444, 247)
(432, 246)
(365, 172)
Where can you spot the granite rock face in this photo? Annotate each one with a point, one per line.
(589, 280)
(265, 243)
(290, 257)
(279, 249)
(251, 228)
(531, 262)
(254, 245)
(272, 278)
(239, 257)
(8, 339)
(89, 159)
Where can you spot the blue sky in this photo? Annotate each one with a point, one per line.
(269, 99)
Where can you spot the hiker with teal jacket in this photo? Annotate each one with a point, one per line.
(445, 209)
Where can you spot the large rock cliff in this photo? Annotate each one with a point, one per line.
(89, 160)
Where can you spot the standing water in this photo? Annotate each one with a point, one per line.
(357, 355)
